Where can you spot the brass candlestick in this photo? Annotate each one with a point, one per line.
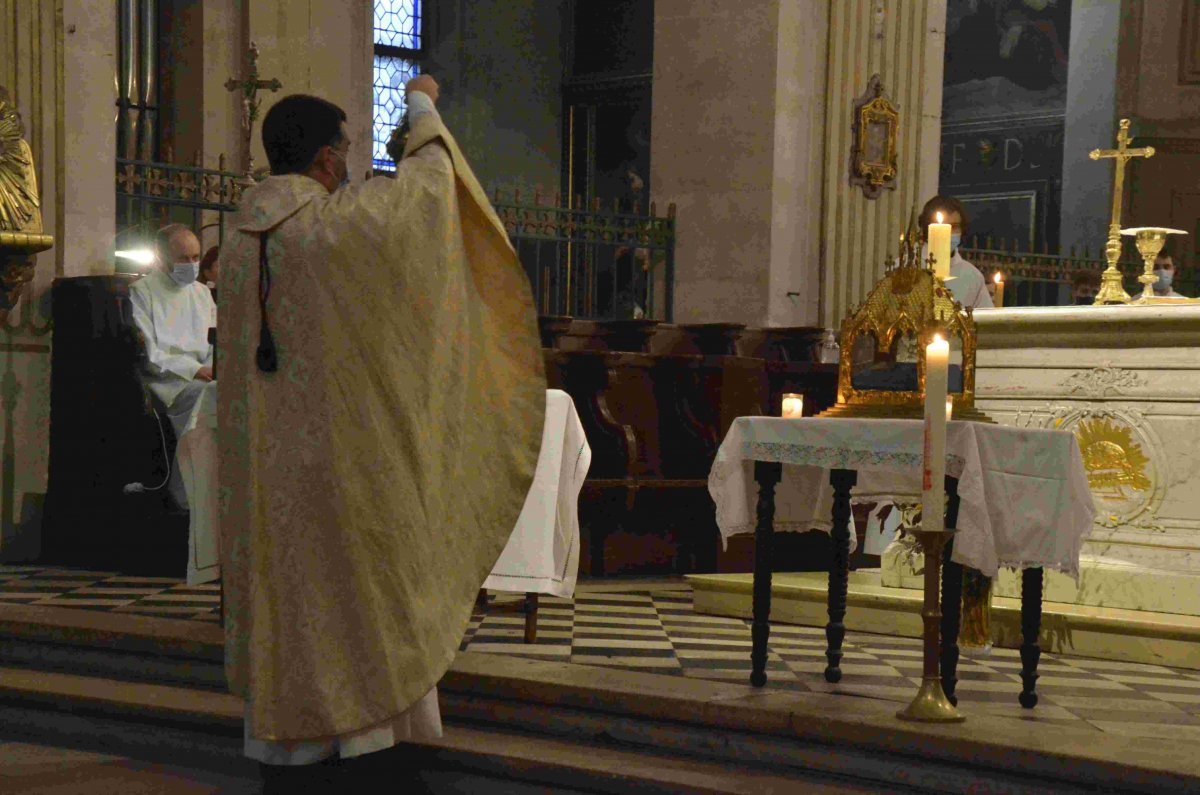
(1149, 241)
(930, 705)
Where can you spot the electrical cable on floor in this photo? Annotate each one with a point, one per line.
(138, 488)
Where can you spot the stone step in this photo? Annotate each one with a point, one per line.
(163, 724)
(792, 735)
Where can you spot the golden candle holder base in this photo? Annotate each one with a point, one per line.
(1112, 289)
(930, 705)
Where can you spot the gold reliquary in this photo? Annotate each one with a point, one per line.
(881, 373)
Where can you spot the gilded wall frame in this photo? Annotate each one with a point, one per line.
(873, 148)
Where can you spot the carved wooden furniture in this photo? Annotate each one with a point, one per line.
(655, 400)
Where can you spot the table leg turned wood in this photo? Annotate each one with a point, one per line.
(1031, 627)
(531, 610)
(952, 578)
(843, 481)
(767, 474)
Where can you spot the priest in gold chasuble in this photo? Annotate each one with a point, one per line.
(381, 409)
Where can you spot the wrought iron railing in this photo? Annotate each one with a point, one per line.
(582, 260)
(151, 195)
(1044, 279)
(590, 262)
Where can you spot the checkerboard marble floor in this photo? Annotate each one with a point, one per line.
(648, 625)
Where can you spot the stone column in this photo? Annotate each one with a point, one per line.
(736, 145)
(751, 139)
(859, 235)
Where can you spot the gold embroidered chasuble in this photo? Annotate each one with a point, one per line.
(371, 482)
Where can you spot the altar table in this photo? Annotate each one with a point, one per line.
(542, 555)
(1018, 498)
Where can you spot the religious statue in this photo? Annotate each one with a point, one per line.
(20, 208)
(251, 102)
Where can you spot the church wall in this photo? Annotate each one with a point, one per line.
(1158, 86)
(499, 64)
(1090, 124)
(321, 47)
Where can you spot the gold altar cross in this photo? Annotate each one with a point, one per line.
(249, 86)
(1111, 289)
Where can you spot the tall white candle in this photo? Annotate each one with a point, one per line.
(998, 298)
(933, 485)
(939, 247)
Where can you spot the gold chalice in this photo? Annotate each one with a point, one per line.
(1149, 241)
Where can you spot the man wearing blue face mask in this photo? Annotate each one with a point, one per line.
(1164, 269)
(173, 313)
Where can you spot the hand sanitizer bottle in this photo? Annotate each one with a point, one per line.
(829, 352)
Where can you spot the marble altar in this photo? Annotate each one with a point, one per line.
(1126, 381)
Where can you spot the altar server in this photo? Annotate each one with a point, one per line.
(173, 313)
(966, 282)
(1164, 269)
(381, 415)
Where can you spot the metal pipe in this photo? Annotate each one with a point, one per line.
(127, 78)
(148, 68)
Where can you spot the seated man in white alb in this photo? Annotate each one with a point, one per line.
(173, 312)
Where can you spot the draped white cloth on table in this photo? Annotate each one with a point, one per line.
(542, 555)
(1024, 493)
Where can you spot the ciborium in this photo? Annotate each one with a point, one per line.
(881, 370)
(1149, 241)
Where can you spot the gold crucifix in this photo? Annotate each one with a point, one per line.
(249, 86)
(1111, 289)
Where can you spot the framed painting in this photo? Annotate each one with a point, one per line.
(873, 151)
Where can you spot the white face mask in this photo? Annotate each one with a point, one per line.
(184, 273)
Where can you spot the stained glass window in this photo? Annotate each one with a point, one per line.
(398, 23)
(399, 40)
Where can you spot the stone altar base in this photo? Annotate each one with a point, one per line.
(1126, 381)
(1069, 629)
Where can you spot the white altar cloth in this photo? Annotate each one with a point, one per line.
(196, 457)
(1024, 496)
(542, 555)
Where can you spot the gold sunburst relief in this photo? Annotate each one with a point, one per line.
(1114, 462)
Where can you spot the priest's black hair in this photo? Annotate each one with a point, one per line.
(295, 129)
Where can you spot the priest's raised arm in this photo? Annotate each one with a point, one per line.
(381, 414)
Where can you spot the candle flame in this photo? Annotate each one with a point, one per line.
(937, 339)
(939, 218)
(998, 278)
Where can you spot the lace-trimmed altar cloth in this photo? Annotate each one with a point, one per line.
(542, 555)
(1024, 493)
